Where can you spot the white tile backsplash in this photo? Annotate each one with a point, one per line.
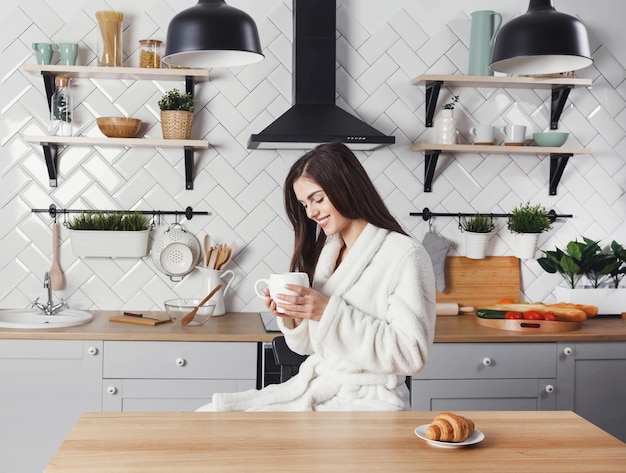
(380, 48)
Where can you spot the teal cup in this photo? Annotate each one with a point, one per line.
(68, 53)
(43, 52)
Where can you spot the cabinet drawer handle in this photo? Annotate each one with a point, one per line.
(92, 350)
(181, 361)
(567, 351)
(112, 390)
(486, 361)
(549, 388)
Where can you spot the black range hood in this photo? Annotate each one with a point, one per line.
(314, 118)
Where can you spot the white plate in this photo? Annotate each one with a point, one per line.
(474, 438)
(177, 259)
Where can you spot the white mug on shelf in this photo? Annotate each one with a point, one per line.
(515, 135)
(276, 284)
(483, 135)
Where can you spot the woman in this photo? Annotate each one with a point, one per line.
(368, 320)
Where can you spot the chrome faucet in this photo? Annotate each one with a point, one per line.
(49, 308)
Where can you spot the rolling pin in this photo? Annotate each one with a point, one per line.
(451, 308)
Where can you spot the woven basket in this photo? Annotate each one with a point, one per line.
(176, 124)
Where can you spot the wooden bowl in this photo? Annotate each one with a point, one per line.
(119, 127)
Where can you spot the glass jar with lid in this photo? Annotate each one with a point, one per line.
(150, 52)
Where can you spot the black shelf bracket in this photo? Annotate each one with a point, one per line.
(189, 85)
(429, 168)
(558, 161)
(559, 97)
(50, 154)
(188, 167)
(432, 94)
(50, 86)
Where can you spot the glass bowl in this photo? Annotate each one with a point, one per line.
(178, 308)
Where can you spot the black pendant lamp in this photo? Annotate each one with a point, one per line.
(541, 41)
(212, 34)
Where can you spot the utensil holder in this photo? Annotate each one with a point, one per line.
(210, 279)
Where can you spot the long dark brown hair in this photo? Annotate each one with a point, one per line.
(348, 187)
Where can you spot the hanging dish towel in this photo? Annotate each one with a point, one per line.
(437, 247)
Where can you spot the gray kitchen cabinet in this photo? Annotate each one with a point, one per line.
(592, 383)
(487, 376)
(173, 376)
(45, 385)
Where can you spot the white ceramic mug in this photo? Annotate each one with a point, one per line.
(483, 135)
(276, 284)
(514, 135)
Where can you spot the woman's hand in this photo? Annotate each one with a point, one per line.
(308, 304)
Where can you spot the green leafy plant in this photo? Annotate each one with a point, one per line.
(478, 223)
(529, 219)
(586, 258)
(110, 221)
(450, 105)
(174, 100)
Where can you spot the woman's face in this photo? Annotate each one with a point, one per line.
(318, 206)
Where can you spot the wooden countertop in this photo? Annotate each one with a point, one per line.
(248, 327)
(557, 441)
(464, 329)
(230, 327)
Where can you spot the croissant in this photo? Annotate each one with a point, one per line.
(449, 427)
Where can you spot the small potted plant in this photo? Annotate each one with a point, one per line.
(478, 230)
(527, 222)
(111, 234)
(445, 125)
(176, 114)
(602, 269)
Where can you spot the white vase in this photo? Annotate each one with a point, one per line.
(610, 301)
(525, 245)
(102, 243)
(476, 244)
(445, 127)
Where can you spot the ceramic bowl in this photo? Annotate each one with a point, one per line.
(178, 308)
(119, 127)
(550, 138)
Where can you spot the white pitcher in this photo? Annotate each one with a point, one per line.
(210, 279)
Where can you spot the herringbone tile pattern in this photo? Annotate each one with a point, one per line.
(380, 47)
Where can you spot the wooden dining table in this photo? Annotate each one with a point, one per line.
(555, 441)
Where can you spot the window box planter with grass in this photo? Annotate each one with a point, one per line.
(121, 235)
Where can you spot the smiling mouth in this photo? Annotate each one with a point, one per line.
(323, 221)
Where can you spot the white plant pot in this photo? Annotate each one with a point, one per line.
(476, 244)
(128, 244)
(525, 245)
(608, 300)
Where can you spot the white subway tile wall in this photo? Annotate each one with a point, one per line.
(380, 47)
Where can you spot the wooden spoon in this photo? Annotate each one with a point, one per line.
(55, 273)
(189, 317)
(207, 249)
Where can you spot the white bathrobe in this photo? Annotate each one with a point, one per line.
(376, 330)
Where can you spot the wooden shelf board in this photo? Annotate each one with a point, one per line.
(498, 81)
(127, 73)
(130, 142)
(496, 149)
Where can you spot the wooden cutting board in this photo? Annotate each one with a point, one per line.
(481, 282)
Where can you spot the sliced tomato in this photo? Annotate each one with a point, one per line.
(550, 316)
(533, 315)
(513, 315)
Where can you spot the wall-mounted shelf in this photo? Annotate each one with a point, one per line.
(559, 157)
(560, 89)
(50, 146)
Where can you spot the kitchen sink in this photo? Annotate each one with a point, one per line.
(35, 319)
